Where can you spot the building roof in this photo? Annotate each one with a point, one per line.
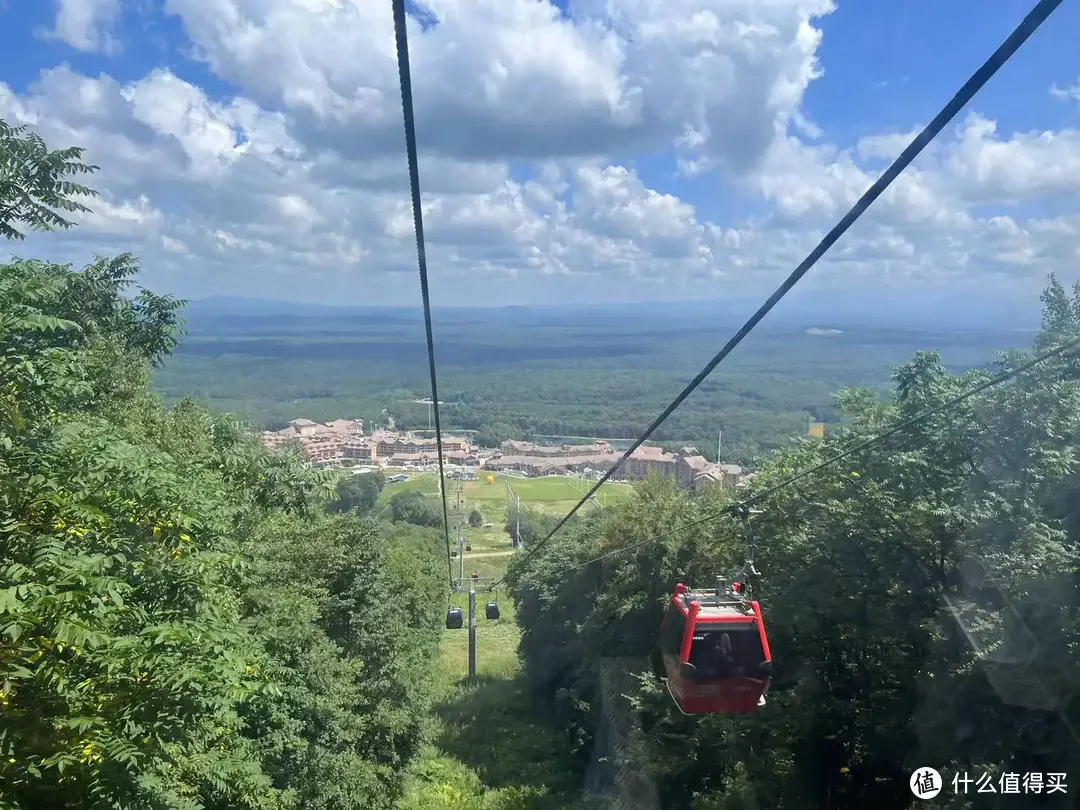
(345, 424)
(698, 463)
(555, 463)
(410, 456)
(519, 447)
(649, 453)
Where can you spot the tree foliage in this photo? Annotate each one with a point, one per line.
(528, 524)
(358, 492)
(33, 188)
(182, 624)
(920, 597)
(411, 506)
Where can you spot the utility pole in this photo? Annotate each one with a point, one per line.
(513, 499)
(719, 437)
(472, 633)
(517, 512)
(460, 535)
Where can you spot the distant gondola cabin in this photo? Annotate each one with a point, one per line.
(455, 619)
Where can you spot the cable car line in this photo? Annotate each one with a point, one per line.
(713, 651)
(405, 77)
(690, 657)
(1018, 37)
(744, 505)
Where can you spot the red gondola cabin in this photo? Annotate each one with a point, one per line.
(714, 652)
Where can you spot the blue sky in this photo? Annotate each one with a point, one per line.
(254, 146)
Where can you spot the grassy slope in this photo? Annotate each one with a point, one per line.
(555, 492)
(490, 752)
(492, 545)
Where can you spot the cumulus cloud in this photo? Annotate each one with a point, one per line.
(529, 122)
(519, 79)
(968, 167)
(84, 24)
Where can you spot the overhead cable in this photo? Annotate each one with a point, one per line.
(401, 36)
(745, 504)
(991, 66)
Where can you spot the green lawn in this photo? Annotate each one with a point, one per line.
(496, 641)
(554, 489)
(425, 482)
(555, 492)
(490, 747)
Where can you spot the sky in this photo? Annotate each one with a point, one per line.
(575, 151)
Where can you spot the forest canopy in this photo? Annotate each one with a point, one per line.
(921, 598)
(183, 625)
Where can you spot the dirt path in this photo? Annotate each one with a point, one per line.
(470, 556)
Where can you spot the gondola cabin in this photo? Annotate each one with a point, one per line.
(491, 610)
(455, 618)
(714, 652)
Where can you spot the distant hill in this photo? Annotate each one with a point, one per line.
(224, 305)
(917, 310)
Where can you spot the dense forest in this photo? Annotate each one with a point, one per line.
(182, 622)
(190, 622)
(921, 599)
(542, 374)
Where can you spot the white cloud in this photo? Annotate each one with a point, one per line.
(1070, 92)
(84, 24)
(529, 122)
(887, 146)
(969, 168)
(994, 170)
(173, 245)
(517, 79)
(131, 217)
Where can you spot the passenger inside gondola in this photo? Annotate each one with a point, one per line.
(723, 654)
(713, 657)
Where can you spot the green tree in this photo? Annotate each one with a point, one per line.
(528, 524)
(495, 433)
(182, 627)
(413, 507)
(351, 617)
(920, 599)
(114, 594)
(33, 188)
(358, 492)
(476, 518)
